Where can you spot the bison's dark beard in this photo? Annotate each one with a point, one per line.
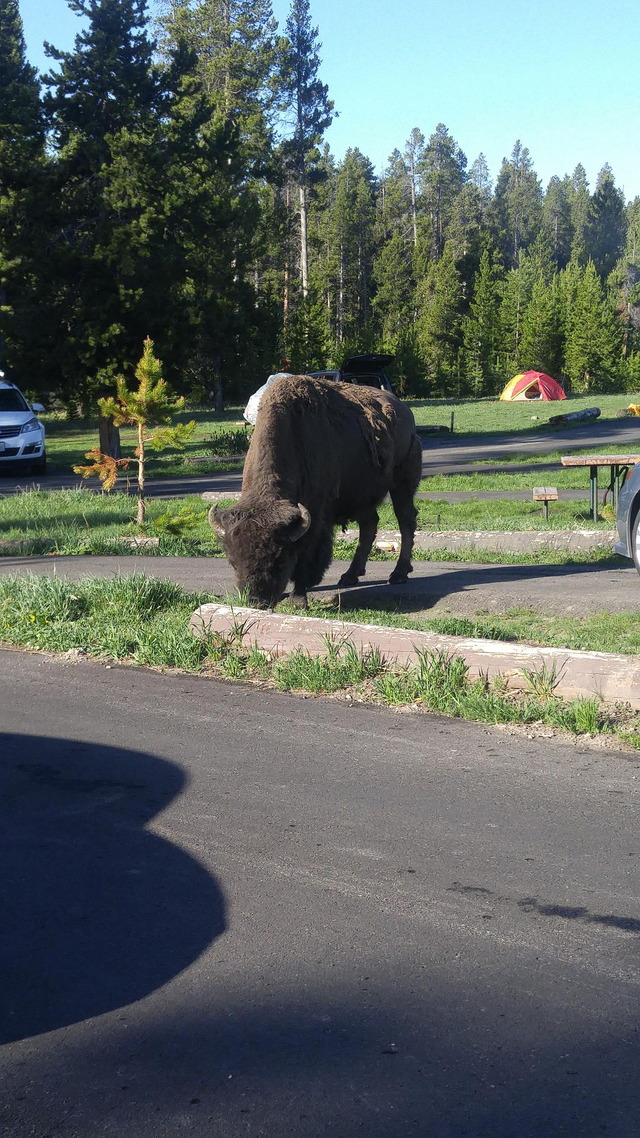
(265, 585)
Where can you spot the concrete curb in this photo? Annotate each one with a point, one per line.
(612, 678)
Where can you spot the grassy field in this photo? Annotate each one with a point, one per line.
(500, 514)
(492, 417)
(69, 440)
(145, 621)
(227, 434)
(593, 632)
(83, 522)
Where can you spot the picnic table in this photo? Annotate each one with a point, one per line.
(618, 466)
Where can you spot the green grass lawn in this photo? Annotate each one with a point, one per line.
(592, 632)
(492, 417)
(500, 514)
(83, 522)
(227, 433)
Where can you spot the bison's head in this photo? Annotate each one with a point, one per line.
(260, 542)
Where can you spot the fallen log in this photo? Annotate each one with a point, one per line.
(576, 416)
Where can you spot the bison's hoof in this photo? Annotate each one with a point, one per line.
(347, 580)
(400, 576)
(298, 600)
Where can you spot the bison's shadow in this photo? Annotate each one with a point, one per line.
(421, 592)
(96, 911)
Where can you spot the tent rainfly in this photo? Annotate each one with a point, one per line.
(532, 385)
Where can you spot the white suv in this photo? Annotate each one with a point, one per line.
(21, 434)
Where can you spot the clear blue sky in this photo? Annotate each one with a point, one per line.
(560, 75)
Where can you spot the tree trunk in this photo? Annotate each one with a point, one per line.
(304, 247)
(218, 393)
(141, 501)
(109, 437)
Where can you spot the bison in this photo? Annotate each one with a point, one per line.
(322, 454)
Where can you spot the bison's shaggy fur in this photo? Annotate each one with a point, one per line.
(322, 454)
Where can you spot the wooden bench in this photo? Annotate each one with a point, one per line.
(618, 465)
(545, 494)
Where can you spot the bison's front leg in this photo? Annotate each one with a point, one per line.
(298, 598)
(367, 529)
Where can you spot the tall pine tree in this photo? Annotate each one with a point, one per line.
(593, 336)
(103, 102)
(310, 112)
(23, 202)
(442, 175)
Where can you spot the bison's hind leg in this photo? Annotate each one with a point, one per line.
(367, 528)
(405, 484)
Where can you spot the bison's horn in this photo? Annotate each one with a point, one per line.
(303, 526)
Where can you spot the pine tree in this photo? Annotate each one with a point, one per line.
(308, 103)
(539, 347)
(556, 220)
(352, 241)
(481, 328)
(392, 269)
(517, 290)
(413, 158)
(480, 178)
(106, 84)
(150, 408)
(593, 336)
(442, 176)
(625, 281)
(517, 205)
(579, 200)
(23, 197)
(439, 324)
(102, 109)
(606, 227)
(393, 302)
(203, 223)
(234, 44)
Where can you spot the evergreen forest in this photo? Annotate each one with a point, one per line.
(169, 178)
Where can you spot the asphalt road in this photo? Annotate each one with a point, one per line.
(440, 456)
(460, 588)
(286, 918)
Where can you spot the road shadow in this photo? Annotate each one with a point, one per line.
(420, 593)
(388, 1063)
(96, 911)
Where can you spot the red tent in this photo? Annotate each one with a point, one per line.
(533, 385)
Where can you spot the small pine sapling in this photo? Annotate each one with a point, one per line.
(149, 406)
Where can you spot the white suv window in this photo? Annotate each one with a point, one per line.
(12, 400)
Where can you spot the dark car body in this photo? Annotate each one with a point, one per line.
(628, 518)
(366, 370)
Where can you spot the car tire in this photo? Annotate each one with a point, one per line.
(39, 467)
(635, 540)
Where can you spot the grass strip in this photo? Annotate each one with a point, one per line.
(143, 620)
(80, 521)
(616, 632)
